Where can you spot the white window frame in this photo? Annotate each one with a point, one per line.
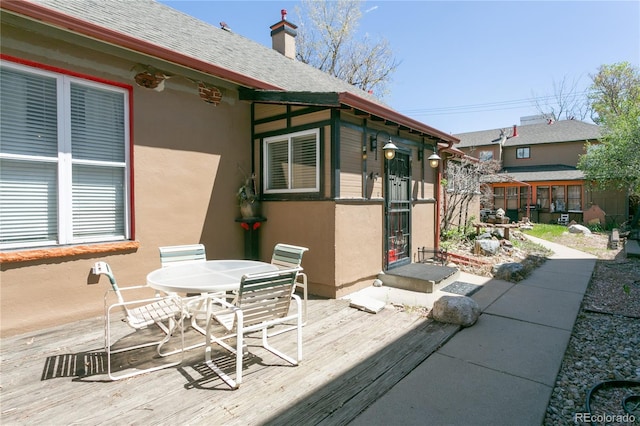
(65, 162)
(289, 139)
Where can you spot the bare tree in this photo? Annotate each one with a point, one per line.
(328, 40)
(461, 186)
(566, 103)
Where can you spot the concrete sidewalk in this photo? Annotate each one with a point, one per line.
(502, 370)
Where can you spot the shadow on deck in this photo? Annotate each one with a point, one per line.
(350, 358)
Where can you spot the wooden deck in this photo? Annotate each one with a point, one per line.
(350, 358)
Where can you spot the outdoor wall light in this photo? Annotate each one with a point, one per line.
(373, 143)
(434, 160)
(389, 148)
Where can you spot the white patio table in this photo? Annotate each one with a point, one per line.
(212, 276)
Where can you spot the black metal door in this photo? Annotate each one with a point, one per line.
(398, 211)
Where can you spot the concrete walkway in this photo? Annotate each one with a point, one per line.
(502, 370)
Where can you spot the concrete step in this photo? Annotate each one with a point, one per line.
(632, 248)
(420, 277)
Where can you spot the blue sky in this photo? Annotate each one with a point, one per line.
(469, 65)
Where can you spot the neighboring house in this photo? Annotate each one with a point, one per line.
(539, 177)
(127, 126)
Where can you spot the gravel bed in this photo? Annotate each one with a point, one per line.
(604, 347)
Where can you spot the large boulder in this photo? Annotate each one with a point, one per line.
(460, 310)
(486, 247)
(579, 229)
(511, 271)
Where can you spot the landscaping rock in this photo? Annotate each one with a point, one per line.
(579, 229)
(460, 310)
(498, 232)
(486, 247)
(508, 271)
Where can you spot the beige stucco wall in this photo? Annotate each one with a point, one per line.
(309, 224)
(358, 245)
(186, 162)
(345, 239)
(345, 244)
(422, 232)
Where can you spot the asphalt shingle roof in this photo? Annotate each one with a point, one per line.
(533, 134)
(543, 173)
(163, 26)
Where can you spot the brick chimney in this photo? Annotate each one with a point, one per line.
(283, 36)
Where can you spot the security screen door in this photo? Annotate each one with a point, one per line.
(398, 211)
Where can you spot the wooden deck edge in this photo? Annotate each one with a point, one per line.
(342, 400)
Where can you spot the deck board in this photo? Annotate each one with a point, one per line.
(350, 358)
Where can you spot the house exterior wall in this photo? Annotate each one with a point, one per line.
(358, 246)
(188, 159)
(566, 153)
(185, 165)
(423, 231)
(309, 224)
(614, 203)
(343, 225)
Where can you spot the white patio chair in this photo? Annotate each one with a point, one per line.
(263, 301)
(287, 256)
(563, 219)
(177, 255)
(139, 314)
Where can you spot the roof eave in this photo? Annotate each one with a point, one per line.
(335, 100)
(374, 108)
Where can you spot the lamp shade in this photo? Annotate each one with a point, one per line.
(434, 160)
(389, 150)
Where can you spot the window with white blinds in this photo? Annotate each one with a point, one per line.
(291, 162)
(63, 159)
